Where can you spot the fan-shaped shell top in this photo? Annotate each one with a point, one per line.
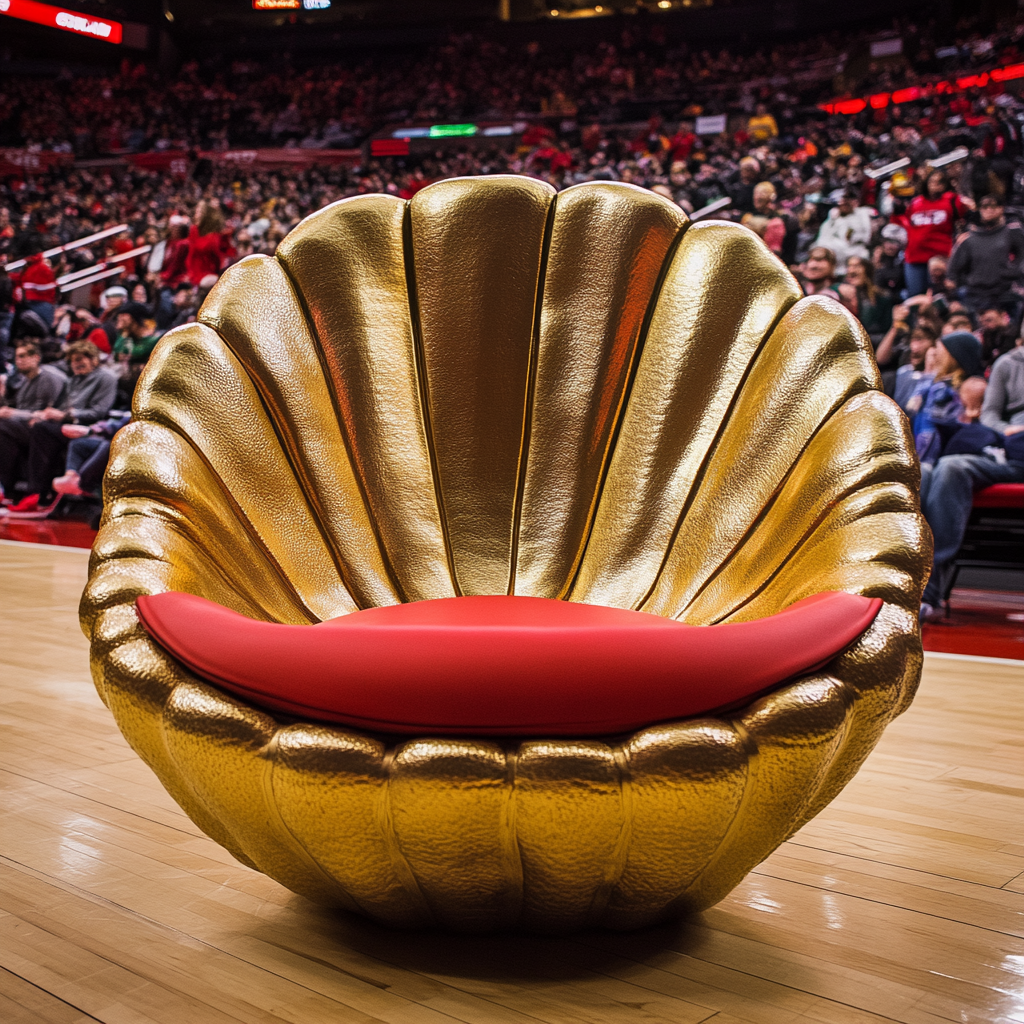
(491, 389)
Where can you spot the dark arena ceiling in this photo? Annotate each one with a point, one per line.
(207, 27)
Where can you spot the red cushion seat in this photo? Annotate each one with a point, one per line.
(1000, 496)
(501, 665)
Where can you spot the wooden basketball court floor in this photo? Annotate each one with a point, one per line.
(903, 901)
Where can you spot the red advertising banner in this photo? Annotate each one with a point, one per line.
(174, 161)
(30, 161)
(281, 159)
(57, 17)
(178, 162)
(880, 100)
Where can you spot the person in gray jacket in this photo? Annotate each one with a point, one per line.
(33, 388)
(947, 505)
(88, 397)
(989, 261)
(1003, 410)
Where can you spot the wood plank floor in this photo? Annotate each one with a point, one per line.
(903, 901)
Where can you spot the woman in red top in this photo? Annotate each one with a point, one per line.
(929, 221)
(175, 265)
(206, 248)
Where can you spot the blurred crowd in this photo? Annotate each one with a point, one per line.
(929, 256)
(648, 62)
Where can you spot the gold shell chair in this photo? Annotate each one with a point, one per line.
(491, 390)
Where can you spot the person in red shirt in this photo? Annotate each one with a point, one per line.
(175, 256)
(930, 220)
(38, 286)
(683, 143)
(206, 244)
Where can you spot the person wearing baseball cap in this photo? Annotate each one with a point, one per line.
(136, 334)
(889, 267)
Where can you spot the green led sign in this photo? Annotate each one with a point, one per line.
(449, 131)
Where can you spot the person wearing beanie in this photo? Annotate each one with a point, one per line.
(965, 349)
(957, 357)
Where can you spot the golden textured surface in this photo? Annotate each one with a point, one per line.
(490, 390)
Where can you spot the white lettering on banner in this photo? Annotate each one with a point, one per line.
(77, 24)
(920, 220)
(5, 6)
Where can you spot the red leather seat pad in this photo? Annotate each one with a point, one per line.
(501, 665)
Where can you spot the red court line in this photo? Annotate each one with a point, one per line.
(68, 533)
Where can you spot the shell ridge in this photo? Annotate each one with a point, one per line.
(243, 520)
(807, 809)
(741, 541)
(510, 830)
(531, 386)
(620, 855)
(235, 849)
(345, 440)
(308, 491)
(213, 563)
(399, 862)
(809, 536)
(749, 745)
(269, 755)
(422, 389)
(620, 412)
(705, 462)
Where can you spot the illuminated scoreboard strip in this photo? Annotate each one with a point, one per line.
(288, 5)
(58, 17)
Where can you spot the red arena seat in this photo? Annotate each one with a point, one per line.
(1000, 496)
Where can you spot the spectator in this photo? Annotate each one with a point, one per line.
(39, 287)
(1004, 401)
(972, 395)
(88, 452)
(110, 301)
(958, 357)
(997, 334)
(207, 248)
(910, 377)
(947, 501)
(957, 322)
(742, 190)
(889, 264)
(762, 127)
(177, 307)
(88, 397)
(807, 231)
(34, 387)
(175, 266)
(987, 263)
(6, 311)
(817, 276)
(136, 334)
(870, 305)
(929, 221)
(847, 229)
